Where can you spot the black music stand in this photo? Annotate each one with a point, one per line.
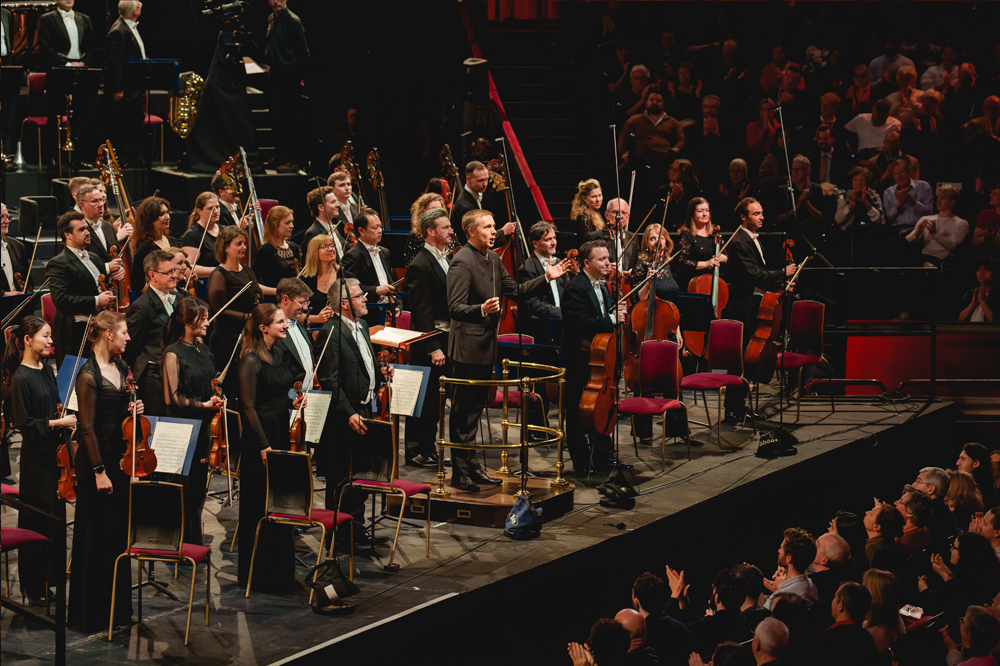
(142, 76)
(76, 81)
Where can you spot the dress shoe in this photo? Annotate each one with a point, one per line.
(421, 460)
(364, 539)
(733, 417)
(478, 476)
(464, 483)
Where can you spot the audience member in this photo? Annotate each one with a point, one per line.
(905, 101)
(771, 74)
(709, 144)
(964, 99)
(908, 199)
(988, 526)
(685, 93)
(964, 499)
(980, 633)
(970, 577)
(846, 641)
(831, 567)
(831, 162)
(883, 621)
(797, 550)
(852, 529)
(769, 642)
(915, 508)
(861, 204)
(870, 128)
(881, 163)
(934, 482)
(751, 582)
(761, 132)
(859, 93)
(942, 77)
(941, 233)
(979, 304)
(639, 654)
(809, 203)
(988, 224)
(884, 526)
(651, 137)
(883, 68)
(976, 461)
(669, 638)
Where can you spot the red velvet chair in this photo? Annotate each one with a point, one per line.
(36, 110)
(805, 331)
(155, 121)
(12, 538)
(725, 352)
(404, 490)
(658, 371)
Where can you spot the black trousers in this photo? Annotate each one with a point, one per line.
(151, 391)
(742, 310)
(126, 126)
(467, 404)
(577, 374)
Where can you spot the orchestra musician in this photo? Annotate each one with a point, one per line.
(696, 255)
(320, 271)
(542, 304)
(277, 257)
(340, 181)
(470, 197)
(415, 241)
(91, 201)
(228, 278)
(585, 210)
(426, 286)
(348, 370)
(264, 383)
(588, 309)
(13, 256)
(34, 397)
(66, 37)
(188, 371)
(125, 43)
(616, 235)
(229, 210)
(323, 205)
(370, 263)
(102, 487)
(152, 232)
(147, 319)
(296, 347)
(205, 215)
(73, 282)
(748, 276)
(476, 281)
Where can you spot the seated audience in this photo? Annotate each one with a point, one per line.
(980, 303)
(846, 641)
(908, 199)
(883, 621)
(860, 204)
(915, 508)
(884, 526)
(976, 461)
(940, 234)
(963, 498)
(796, 551)
(670, 639)
(870, 128)
(769, 642)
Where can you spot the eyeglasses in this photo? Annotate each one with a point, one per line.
(328, 246)
(170, 272)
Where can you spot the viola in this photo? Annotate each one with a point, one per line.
(217, 453)
(18, 282)
(139, 460)
(718, 290)
(65, 461)
(598, 406)
(297, 433)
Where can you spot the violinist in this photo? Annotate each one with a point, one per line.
(202, 232)
(147, 318)
(34, 398)
(697, 244)
(296, 347)
(320, 271)
(228, 278)
(264, 382)
(588, 309)
(748, 275)
(370, 263)
(544, 302)
(470, 197)
(13, 256)
(277, 257)
(415, 241)
(152, 232)
(616, 235)
(323, 205)
(427, 290)
(75, 285)
(188, 371)
(102, 505)
(348, 204)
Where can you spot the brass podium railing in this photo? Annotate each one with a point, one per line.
(553, 435)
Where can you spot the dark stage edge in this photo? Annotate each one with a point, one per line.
(484, 598)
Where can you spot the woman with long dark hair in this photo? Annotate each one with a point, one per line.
(102, 487)
(188, 371)
(228, 278)
(265, 381)
(975, 460)
(34, 398)
(152, 232)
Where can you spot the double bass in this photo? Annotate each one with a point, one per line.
(107, 165)
(718, 291)
(498, 178)
(378, 183)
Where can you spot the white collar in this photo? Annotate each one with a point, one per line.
(544, 260)
(371, 248)
(594, 282)
(164, 296)
(81, 254)
(751, 233)
(433, 250)
(130, 23)
(350, 324)
(478, 195)
(66, 14)
(326, 225)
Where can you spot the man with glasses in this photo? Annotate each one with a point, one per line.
(293, 299)
(617, 235)
(91, 201)
(147, 319)
(13, 257)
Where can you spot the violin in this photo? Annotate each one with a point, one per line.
(218, 455)
(65, 461)
(139, 460)
(718, 291)
(18, 282)
(297, 433)
(295, 266)
(385, 392)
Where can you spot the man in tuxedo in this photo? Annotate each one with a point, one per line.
(125, 43)
(347, 201)
(543, 303)
(347, 445)
(616, 235)
(66, 37)
(587, 309)
(229, 209)
(73, 282)
(293, 299)
(427, 294)
(370, 263)
(147, 319)
(6, 45)
(470, 197)
(103, 234)
(13, 256)
(476, 281)
(747, 273)
(325, 209)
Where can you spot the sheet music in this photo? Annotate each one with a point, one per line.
(405, 391)
(71, 404)
(170, 442)
(314, 414)
(393, 337)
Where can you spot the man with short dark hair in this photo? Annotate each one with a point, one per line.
(349, 201)
(545, 302)
(884, 526)
(869, 129)
(371, 265)
(293, 299)
(469, 198)
(147, 319)
(670, 639)
(651, 137)
(751, 582)
(796, 552)
(846, 641)
(103, 235)
(609, 642)
(325, 209)
(725, 624)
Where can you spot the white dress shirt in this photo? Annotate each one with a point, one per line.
(545, 261)
(478, 196)
(69, 20)
(366, 354)
(302, 347)
(376, 257)
(596, 284)
(166, 299)
(135, 33)
(96, 230)
(8, 269)
(755, 241)
(3, 42)
(84, 257)
(345, 206)
(439, 256)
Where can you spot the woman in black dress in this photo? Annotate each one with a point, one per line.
(152, 232)
(34, 398)
(278, 257)
(265, 381)
(205, 216)
(320, 272)
(188, 371)
(102, 488)
(697, 245)
(225, 282)
(585, 212)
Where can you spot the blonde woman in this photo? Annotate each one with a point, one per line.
(320, 272)
(415, 242)
(963, 497)
(204, 216)
(278, 257)
(586, 209)
(883, 621)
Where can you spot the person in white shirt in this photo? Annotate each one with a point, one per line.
(125, 43)
(871, 128)
(66, 37)
(941, 233)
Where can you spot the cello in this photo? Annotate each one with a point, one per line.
(762, 351)
(718, 291)
(650, 319)
(378, 183)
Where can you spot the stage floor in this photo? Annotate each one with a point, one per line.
(270, 628)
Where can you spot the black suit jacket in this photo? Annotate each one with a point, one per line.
(96, 247)
(54, 40)
(342, 367)
(359, 261)
(19, 259)
(5, 20)
(317, 229)
(538, 306)
(630, 254)
(840, 164)
(744, 271)
(427, 297)
(289, 352)
(465, 202)
(226, 217)
(122, 45)
(473, 279)
(583, 317)
(73, 291)
(147, 320)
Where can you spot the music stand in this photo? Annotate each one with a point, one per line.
(76, 81)
(142, 76)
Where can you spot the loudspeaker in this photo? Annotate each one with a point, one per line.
(35, 212)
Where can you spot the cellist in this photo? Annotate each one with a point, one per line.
(588, 309)
(748, 275)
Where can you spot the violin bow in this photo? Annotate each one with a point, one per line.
(636, 234)
(9, 318)
(197, 255)
(795, 276)
(652, 273)
(226, 306)
(38, 237)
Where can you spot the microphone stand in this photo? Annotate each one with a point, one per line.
(615, 295)
(786, 303)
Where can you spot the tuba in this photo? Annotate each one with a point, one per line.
(184, 103)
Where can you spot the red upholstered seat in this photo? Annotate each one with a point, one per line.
(15, 537)
(196, 553)
(513, 398)
(709, 381)
(325, 517)
(8, 490)
(648, 405)
(409, 488)
(792, 360)
(152, 120)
